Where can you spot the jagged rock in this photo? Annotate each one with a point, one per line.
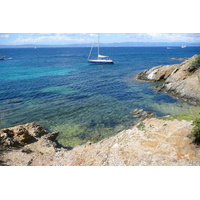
(24, 134)
(28, 140)
(181, 80)
(157, 73)
(35, 130)
(51, 136)
(14, 136)
(180, 58)
(142, 114)
(150, 142)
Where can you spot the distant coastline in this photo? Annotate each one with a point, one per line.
(120, 44)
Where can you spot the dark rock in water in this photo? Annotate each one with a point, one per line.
(142, 114)
(180, 58)
(51, 136)
(159, 88)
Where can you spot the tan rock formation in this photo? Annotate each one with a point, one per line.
(182, 80)
(22, 143)
(152, 142)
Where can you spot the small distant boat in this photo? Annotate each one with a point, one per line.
(2, 57)
(183, 46)
(100, 58)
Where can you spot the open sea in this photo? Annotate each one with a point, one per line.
(59, 90)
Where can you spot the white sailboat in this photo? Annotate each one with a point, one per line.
(183, 46)
(100, 58)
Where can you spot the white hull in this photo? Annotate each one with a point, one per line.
(101, 61)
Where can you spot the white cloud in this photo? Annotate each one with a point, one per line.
(93, 35)
(174, 37)
(54, 38)
(69, 38)
(4, 36)
(44, 38)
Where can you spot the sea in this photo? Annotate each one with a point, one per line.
(58, 89)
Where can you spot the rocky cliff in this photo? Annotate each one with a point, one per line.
(180, 79)
(150, 142)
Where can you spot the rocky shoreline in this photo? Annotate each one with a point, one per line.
(30, 139)
(151, 141)
(182, 80)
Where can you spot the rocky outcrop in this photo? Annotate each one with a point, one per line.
(141, 115)
(150, 142)
(29, 138)
(22, 134)
(180, 58)
(181, 79)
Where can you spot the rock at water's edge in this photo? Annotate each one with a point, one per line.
(180, 79)
(22, 135)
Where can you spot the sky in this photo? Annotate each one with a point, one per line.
(82, 38)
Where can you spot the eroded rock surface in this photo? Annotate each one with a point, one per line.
(150, 142)
(20, 144)
(181, 79)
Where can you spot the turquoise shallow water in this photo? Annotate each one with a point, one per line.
(58, 89)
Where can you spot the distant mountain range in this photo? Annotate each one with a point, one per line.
(122, 44)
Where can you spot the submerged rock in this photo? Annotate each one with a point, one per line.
(180, 58)
(142, 114)
(51, 136)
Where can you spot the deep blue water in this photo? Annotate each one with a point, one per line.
(58, 89)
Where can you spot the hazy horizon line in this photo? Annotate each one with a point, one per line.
(114, 44)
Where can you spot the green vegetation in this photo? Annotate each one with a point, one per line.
(178, 117)
(141, 126)
(196, 131)
(195, 65)
(151, 126)
(196, 123)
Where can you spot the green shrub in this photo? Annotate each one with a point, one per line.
(141, 126)
(196, 131)
(195, 65)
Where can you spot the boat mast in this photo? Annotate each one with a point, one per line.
(98, 44)
(90, 51)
